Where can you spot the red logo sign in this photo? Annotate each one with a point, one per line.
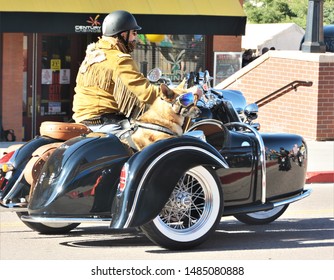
(94, 22)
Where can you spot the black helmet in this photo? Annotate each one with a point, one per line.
(117, 22)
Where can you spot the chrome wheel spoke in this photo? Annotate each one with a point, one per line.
(186, 205)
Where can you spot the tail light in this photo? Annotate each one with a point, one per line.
(5, 165)
(6, 157)
(123, 177)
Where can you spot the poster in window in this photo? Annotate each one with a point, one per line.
(64, 76)
(46, 76)
(225, 65)
(54, 108)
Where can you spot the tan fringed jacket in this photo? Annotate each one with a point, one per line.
(109, 81)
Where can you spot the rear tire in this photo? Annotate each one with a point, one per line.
(191, 214)
(48, 228)
(262, 217)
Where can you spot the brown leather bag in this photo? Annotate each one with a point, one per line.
(36, 163)
(63, 131)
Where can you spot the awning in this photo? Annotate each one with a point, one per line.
(214, 17)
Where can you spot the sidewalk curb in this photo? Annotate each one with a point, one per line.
(320, 177)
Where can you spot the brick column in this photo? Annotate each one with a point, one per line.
(12, 83)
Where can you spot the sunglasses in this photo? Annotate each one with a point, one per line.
(186, 100)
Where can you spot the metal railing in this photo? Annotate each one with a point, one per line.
(282, 91)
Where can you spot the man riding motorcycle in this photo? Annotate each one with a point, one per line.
(110, 88)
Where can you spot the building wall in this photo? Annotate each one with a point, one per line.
(325, 122)
(227, 43)
(12, 82)
(307, 111)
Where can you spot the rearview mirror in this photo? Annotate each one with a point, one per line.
(251, 111)
(154, 75)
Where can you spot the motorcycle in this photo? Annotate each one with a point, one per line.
(221, 166)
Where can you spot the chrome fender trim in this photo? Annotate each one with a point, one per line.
(300, 196)
(15, 207)
(44, 220)
(270, 205)
(16, 187)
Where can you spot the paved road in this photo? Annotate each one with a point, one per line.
(304, 232)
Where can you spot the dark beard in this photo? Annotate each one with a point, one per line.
(131, 46)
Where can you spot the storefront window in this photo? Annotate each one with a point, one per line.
(55, 76)
(175, 55)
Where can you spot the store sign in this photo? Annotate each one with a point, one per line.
(55, 64)
(225, 65)
(93, 27)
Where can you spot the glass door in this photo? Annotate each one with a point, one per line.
(50, 80)
(55, 95)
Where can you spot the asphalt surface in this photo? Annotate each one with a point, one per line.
(303, 232)
(298, 245)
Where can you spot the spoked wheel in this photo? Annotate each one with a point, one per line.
(49, 228)
(192, 212)
(262, 217)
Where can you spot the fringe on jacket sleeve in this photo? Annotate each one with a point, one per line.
(128, 103)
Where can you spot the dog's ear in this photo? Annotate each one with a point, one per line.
(167, 92)
(181, 85)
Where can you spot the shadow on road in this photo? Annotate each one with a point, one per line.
(230, 235)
